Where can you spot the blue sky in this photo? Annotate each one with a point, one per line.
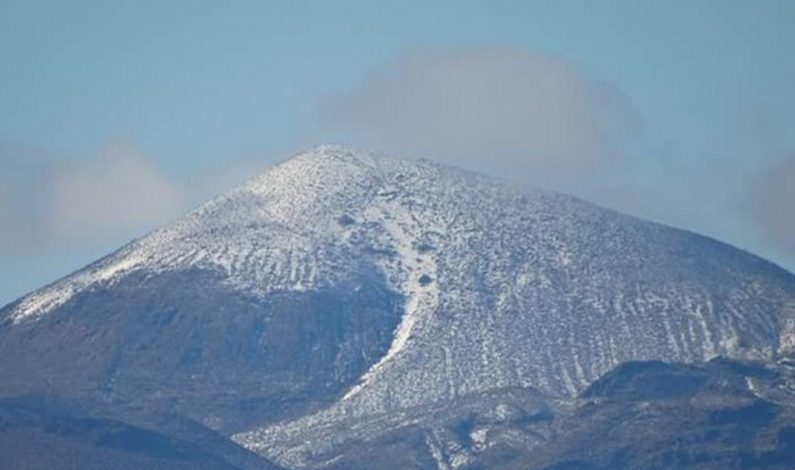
(117, 116)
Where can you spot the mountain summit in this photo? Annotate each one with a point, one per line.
(341, 286)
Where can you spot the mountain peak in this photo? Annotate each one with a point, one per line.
(334, 151)
(332, 155)
(329, 158)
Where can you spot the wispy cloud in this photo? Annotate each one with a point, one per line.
(516, 108)
(118, 192)
(114, 195)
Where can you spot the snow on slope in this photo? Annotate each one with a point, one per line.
(264, 236)
(502, 286)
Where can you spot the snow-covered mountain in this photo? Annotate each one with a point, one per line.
(341, 287)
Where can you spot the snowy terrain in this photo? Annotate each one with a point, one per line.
(501, 286)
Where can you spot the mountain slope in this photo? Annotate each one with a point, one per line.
(39, 434)
(342, 285)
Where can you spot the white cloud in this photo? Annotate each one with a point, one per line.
(507, 107)
(120, 192)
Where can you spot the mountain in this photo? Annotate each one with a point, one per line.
(329, 302)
